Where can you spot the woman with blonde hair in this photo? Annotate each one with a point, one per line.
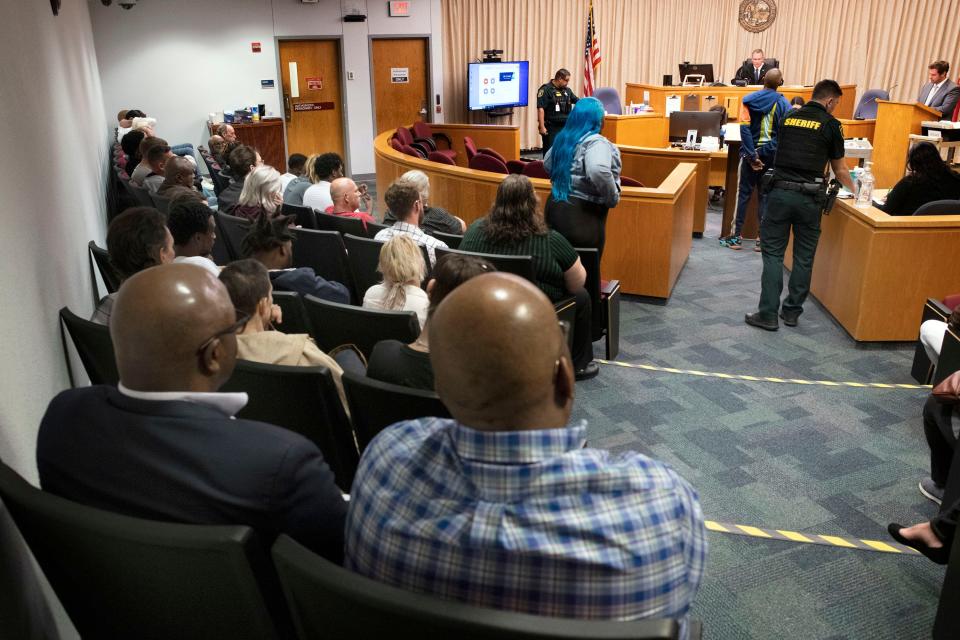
(293, 194)
(261, 194)
(403, 269)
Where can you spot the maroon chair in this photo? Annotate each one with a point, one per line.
(424, 144)
(483, 162)
(442, 158)
(951, 301)
(516, 166)
(472, 150)
(396, 144)
(534, 169)
(629, 182)
(425, 131)
(413, 151)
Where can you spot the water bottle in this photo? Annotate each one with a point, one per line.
(865, 188)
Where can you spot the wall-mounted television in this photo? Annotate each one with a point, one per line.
(492, 85)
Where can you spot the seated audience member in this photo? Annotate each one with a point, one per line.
(249, 286)
(409, 364)
(346, 197)
(156, 159)
(515, 227)
(270, 242)
(295, 168)
(327, 168)
(178, 178)
(242, 160)
(401, 263)
(164, 445)
(930, 179)
(125, 122)
(293, 194)
(227, 132)
(215, 145)
(142, 169)
(503, 506)
(261, 194)
(434, 218)
(935, 537)
(932, 332)
(131, 149)
(137, 239)
(796, 102)
(194, 231)
(404, 201)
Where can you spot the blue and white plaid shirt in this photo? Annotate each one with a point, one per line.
(527, 521)
(414, 232)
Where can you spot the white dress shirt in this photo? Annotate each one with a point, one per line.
(933, 92)
(228, 403)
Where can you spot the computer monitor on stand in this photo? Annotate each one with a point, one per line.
(705, 70)
(707, 123)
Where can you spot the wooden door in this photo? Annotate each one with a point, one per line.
(400, 86)
(314, 120)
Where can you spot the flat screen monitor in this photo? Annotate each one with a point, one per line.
(497, 84)
(706, 70)
(707, 123)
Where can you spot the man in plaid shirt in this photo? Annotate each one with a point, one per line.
(406, 206)
(503, 506)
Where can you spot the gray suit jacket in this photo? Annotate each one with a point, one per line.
(946, 99)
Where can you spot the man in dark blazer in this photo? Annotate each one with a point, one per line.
(163, 445)
(753, 70)
(940, 92)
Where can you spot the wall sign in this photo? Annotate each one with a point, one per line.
(266, 84)
(757, 15)
(398, 9)
(314, 84)
(400, 75)
(255, 47)
(313, 106)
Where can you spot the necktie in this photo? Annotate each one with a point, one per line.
(756, 75)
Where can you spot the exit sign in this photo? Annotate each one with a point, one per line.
(399, 8)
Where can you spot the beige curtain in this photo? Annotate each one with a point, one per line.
(884, 44)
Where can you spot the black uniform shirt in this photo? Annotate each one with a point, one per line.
(809, 138)
(549, 97)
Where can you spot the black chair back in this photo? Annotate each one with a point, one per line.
(295, 318)
(111, 279)
(338, 324)
(219, 251)
(323, 251)
(303, 400)
(340, 224)
(604, 303)
(306, 217)
(160, 202)
(922, 368)
(328, 601)
(363, 254)
(519, 265)
(453, 241)
(123, 577)
(374, 228)
(93, 345)
(939, 208)
(141, 194)
(232, 229)
(949, 360)
(375, 405)
(220, 181)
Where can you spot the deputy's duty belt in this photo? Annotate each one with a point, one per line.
(803, 187)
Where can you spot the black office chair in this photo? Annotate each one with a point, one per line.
(232, 229)
(339, 324)
(295, 318)
(519, 265)
(323, 251)
(374, 228)
(604, 301)
(375, 405)
(452, 241)
(303, 400)
(111, 279)
(93, 345)
(922, 368)
(161, 203)
(340, 224)
(939, 208)
(123, 577)
(306, 217)
(363, 254)
(327, 601)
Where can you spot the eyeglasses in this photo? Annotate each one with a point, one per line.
(242, 319)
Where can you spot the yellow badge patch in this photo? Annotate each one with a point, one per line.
(540, 93)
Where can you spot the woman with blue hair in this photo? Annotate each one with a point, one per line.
(584, 170)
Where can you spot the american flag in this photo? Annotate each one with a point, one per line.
(591, 54)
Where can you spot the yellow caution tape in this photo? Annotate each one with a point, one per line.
(810, 538)
(736, 376)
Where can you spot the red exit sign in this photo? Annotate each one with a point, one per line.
(399, 8)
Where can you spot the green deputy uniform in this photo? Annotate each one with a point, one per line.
(809, 138)
(556, 104)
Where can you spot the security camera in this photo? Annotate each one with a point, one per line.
(127, 4)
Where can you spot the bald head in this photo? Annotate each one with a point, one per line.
(345, 195)
(178, 171)
(773, 79)
(160, 318)
(499, 357)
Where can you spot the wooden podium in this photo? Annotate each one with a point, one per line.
(891, 138)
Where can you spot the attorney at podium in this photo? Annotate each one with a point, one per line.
(940, 92)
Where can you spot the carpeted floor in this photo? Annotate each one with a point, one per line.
(826, 460)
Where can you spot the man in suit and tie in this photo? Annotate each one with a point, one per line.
(164, 444)
(753, 70)
(940, 92)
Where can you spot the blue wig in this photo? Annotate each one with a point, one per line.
(585, 119)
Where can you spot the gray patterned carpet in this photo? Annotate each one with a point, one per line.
(841, 461)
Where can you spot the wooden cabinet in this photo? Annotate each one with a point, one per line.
(266, 137)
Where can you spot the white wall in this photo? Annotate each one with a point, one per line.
(178, 60)
(52, 177)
